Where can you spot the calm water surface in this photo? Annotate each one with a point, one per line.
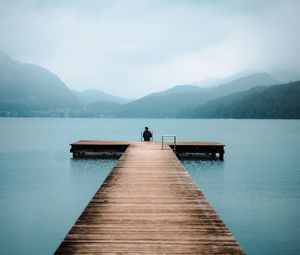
(256, 190)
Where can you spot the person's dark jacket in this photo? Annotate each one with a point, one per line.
(147, 135)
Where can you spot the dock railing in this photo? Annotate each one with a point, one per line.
(163, 140)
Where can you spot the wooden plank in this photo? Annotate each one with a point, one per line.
(149, 205)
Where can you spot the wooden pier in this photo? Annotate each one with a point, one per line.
(149, 205)
(84, 147)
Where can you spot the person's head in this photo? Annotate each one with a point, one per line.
(146, 128)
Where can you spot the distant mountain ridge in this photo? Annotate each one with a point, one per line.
(180, 89)
(275, 102)
(245, 83)
(90, 96)
(27, 87)
(30, 90)
(172, 102)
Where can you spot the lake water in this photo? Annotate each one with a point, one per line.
(256, 190)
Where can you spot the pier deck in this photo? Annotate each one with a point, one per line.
(149, 205)
(83, 147)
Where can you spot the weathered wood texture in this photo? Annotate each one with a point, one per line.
(149, 205)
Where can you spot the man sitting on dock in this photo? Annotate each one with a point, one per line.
(147, 134)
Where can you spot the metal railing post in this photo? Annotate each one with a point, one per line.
(174, 141)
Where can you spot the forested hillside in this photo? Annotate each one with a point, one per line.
(275, 102)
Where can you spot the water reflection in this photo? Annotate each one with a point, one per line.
(208, 175)
(87, 174)
(91, 166)
(203, 165)
(200, 170)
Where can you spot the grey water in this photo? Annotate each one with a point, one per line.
(255, 190)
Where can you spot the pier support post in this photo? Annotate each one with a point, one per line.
(221, 156)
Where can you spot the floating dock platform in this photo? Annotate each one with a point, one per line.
(148, 204)
(84, 148)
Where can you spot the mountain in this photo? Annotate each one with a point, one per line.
(245, 83)
(27, 87)
(274, 102)
(173, 102)
(180, 89)
(161, 106)
(30, 90)
(93, 95)
(99, 109)
(217, 82)
(285, 75)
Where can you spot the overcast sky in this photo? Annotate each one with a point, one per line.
(131, 48)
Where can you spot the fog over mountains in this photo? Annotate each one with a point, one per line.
(26, 87)
(30, 90)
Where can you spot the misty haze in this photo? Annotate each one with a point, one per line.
(218, 80)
